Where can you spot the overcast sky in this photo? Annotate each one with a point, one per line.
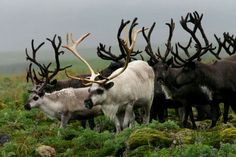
(23, 20)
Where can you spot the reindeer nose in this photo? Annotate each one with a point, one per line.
(27, 107)
(88, 103)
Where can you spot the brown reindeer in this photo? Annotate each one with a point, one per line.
(218, 77)
(193, 94)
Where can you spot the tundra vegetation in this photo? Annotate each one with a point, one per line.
(29, 130)
(24, 133)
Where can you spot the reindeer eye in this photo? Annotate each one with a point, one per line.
(35, 98)
(185, 69)
(100, 91)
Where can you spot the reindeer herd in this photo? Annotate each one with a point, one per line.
(150, 85)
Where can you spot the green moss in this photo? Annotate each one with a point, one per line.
(211, 138)
(184, 136)
(141, 151)
(228, 135)
(168, 125)
(232, 119)
(148, 136)
(227, 150)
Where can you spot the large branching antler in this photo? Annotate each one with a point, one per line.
(106, 54)
(148, 48)
(228, 44)
(45, 73)
(127, 49)
(194, 19)
(73, 49)
(51, 74)
(34, 60)
(157, 56)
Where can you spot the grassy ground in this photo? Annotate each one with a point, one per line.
(30, 129)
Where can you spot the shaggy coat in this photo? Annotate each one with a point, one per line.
(219, 77)
(65, 104)
(134, 87)
(186, 96)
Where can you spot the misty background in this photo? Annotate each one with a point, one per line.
(24, 20)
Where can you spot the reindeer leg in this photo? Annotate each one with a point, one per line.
(215, 113)
(117, 124)
(226, 112)
(65, 117)
(91, 123)
(184, 116)
(64, 120)
(83, 123)
(192, 118)
(129, 116)
(147, 108)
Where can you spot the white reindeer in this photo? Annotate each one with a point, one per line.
(64, 105)
(124, 89)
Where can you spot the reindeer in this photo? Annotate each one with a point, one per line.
(66, 104)
(217, 77)
(57, 101)
(119, 93)
(166, 75)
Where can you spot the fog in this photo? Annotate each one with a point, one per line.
(24, 20)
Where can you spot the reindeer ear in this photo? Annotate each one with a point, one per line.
(169, 62)
(54, 82)
(191, 65)
(108, 85)
(41, 94)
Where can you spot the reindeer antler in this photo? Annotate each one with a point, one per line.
(106, 54)
(125, 47)
(156, 57)
(228, 44)
(72, 48)
(46, 74)
(194, 19)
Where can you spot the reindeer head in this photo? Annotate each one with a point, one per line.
(35, 97)
(159, 62)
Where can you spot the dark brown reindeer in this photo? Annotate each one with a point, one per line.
(165, 74)
(229, 45)
(160, 101)
(218, 77)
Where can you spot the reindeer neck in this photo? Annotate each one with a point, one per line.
(50, 106)
(207, 76)
(170, 82)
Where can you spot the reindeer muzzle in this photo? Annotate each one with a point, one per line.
(27, 107)
(88, 103)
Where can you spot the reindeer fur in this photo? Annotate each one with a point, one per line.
(134, 87)
(65, 104)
